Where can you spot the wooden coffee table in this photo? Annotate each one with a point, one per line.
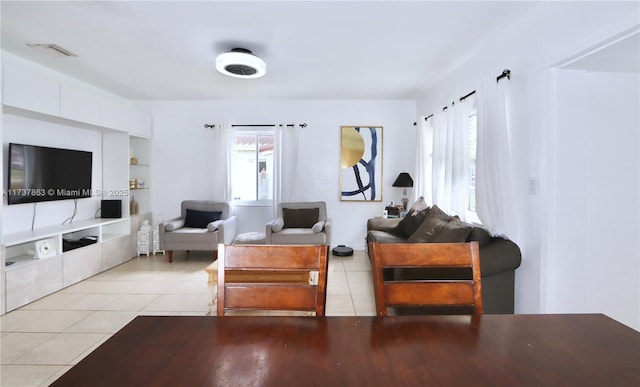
(249, 276)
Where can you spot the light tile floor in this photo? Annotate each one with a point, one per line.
(42, 340)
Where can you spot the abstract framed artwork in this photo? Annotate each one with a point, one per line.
(361, 163)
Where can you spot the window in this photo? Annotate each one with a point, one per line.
(472, 142)
(252, 167)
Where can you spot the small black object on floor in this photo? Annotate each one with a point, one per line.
(342, 251)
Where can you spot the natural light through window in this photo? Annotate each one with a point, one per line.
(472, 141)
(252, 167)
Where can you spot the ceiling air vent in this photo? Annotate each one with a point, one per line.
(52, 49)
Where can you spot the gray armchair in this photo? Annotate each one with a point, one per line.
(300, 223)
(202, 225)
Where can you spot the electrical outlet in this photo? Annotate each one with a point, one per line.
(533, 185)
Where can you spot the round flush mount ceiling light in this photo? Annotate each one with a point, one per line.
(240, 63)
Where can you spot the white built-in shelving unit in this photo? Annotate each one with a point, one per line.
(34, 94)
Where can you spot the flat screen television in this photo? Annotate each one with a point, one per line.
(39, 174)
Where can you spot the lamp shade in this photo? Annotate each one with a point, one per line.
(403, 180)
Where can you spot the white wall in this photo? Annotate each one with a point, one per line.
(549, 34)
(594, 255)
(182, 159)
(21, 129)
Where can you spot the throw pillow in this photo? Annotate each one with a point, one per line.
(200, 219)
(277, 225)
(300, 217)
(454, 231)
(428, 230)
(176, 224)
(318, 227)
(480, 235)
(441, 214)
(414, 217)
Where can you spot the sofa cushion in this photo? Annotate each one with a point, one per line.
(300, 217)
(200, 219)
(414, 218)
(384, 237)
(298, 236)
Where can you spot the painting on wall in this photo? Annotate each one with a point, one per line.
(361, 163)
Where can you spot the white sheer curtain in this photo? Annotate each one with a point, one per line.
(450, 172)
(222, 149)
(424, 151)
(495, 201)
(285, 164)
(460, 158)
(438, 174)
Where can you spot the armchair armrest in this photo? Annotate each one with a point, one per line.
(213, 226)
(175, 223)
(270, 226)
(227, 230)
(328, 226)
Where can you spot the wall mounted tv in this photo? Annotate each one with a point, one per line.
(38, 174)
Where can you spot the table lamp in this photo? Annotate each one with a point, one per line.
(404, 180)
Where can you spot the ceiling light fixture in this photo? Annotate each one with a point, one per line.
(52, 49)
(240, 63)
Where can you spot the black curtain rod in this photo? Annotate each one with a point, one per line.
(426, 118)
(505, 73)
(255, 125)
(467, 96)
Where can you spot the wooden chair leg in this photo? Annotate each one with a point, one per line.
(170, 255)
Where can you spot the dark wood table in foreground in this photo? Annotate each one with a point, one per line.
(505, 350)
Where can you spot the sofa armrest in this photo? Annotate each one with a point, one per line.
(383, 224)
(498, 256)
(227, 230)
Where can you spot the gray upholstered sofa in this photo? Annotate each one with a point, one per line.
(499, 257)
(300, 223)
(201, 226)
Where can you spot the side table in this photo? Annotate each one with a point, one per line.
(143, 242)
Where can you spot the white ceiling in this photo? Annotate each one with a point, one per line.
(313, 49)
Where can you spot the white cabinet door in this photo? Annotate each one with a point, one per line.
(140, 123)
(114, 114)
(29, 282)
(81, 263)
(30, 86)
(116, 251)
(79, 104)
